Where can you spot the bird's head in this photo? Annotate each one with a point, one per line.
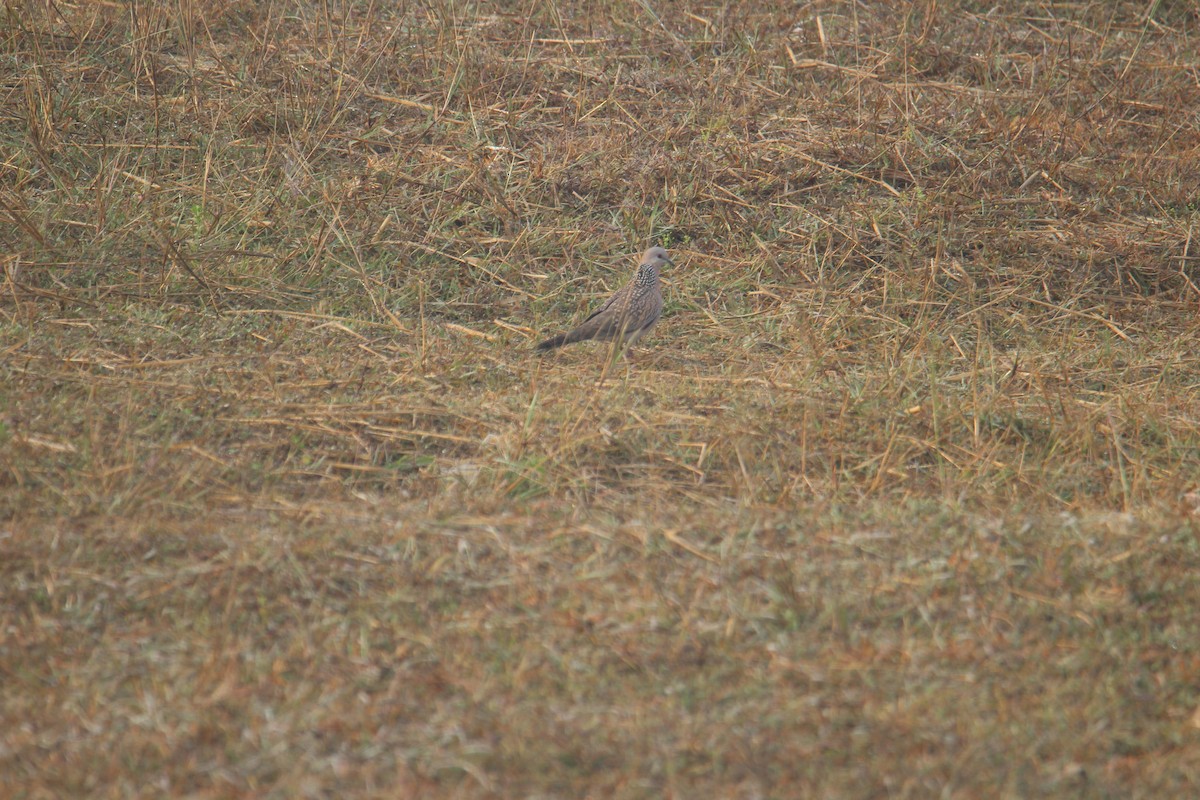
(656, 257)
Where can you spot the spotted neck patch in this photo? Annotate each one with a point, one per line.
(647, 275)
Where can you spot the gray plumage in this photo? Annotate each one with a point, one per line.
(629, 314)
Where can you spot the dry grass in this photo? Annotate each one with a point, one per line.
(896, 502)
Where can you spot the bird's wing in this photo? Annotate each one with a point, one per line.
(605, 306)
(607, 321)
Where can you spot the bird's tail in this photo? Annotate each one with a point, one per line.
(552, 342)
(584, 331)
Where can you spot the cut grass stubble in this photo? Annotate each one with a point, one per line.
(897, 500)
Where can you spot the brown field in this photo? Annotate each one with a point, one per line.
(900, 500)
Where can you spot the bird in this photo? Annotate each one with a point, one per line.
(626, 316)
